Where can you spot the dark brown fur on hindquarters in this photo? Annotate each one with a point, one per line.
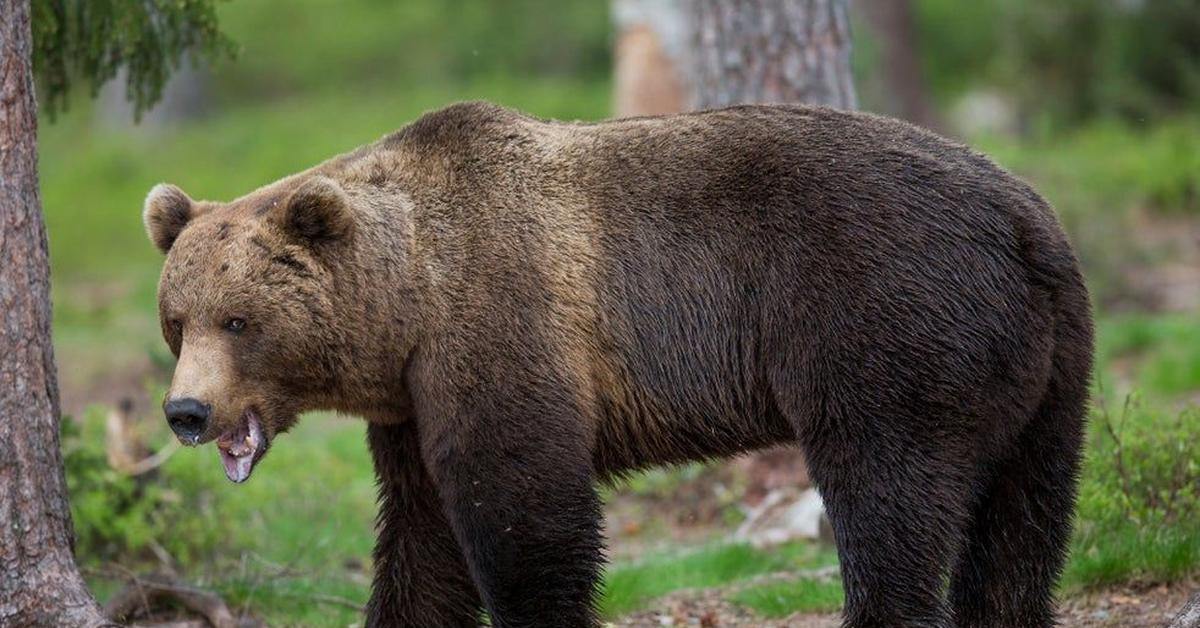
(521, 308)
(1025, 509)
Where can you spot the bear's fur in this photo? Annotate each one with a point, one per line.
(520, 308)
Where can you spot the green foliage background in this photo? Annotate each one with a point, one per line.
(91, 40)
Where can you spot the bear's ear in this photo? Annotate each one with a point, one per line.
(167, 211)
(317, 213)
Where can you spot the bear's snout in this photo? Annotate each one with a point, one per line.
(188, 418)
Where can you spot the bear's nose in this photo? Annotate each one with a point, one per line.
(187, 417)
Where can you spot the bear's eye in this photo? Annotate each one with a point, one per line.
(235, 325)
(176, 326)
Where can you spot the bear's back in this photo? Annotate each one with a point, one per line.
(684, 256)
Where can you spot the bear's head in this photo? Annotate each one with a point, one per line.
(246, 305)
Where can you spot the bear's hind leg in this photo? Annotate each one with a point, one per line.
(897, 504)
(1017, 542)
(421, 576)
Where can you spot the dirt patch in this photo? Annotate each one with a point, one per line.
(1129, 606)
(124, 379)
(693, 507)
(103, 344)
(685, 508)
(1132, 606)
(709, 609)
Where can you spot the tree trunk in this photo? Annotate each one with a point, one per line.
(771, 51)
(725, 52)
(649, 77)
(900, 65)
(39, 583)
(1189, 615)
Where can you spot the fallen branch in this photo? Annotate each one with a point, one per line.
(143, 594)
(126, 451)
(153, 462)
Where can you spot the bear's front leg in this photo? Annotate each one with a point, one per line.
(514, 469)
(421, 577)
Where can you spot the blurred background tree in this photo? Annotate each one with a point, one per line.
(1065, 63)
(764, 51)
(1080, 59)
(904, 93)
(40, 585)
(679, 55)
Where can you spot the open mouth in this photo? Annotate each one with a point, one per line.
(242, 446)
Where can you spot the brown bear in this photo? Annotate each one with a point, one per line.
(521, 308)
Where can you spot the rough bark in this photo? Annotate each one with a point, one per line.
(894, 28)
(39, 583)
(1189, 615)
(764, 51)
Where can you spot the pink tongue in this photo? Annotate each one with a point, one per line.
(237, 468)
(239, 446)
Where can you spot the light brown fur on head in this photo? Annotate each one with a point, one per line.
(167, 211)
(281, 260)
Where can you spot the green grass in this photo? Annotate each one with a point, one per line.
(780, 599)
(1162, 353)
(1140, 491)
(1110, 165)
(297, 601)
(1139, 499)
(631, 586)
(300, 47)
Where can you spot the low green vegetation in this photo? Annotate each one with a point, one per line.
(293, 544)
(1064, 63)
(1158, 356)
(1140, 498)
(630, 586)
(1106, 180)
(779, 599)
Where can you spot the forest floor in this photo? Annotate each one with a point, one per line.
(692, 515)
(1119, 607)
(689, 510)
